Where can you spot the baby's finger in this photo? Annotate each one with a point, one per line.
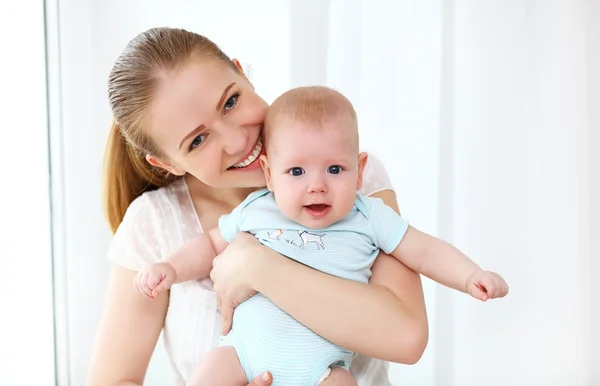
(142, 277)
(502, 289)
(154, 278)
(491, 289)
(139, 282)
(136, 283)
(144, 285)
(478, 293)
(160, 288)
(492, 284)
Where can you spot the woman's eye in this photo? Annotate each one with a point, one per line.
(231, 102)
(335, 169)
(296, 172)
(197, 141)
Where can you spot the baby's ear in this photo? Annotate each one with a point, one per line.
(264, 163)
(362, 162)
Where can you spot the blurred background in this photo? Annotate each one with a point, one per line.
(486, 114)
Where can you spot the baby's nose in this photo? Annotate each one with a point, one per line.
(317, 186)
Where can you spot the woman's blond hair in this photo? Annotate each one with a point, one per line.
(132, 84)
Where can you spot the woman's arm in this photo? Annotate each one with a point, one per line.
(128, 333)
(407, 288)
(385, 319)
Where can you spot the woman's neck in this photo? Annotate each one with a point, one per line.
(228, 197)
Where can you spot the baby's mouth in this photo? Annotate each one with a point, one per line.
(317, 207)
(318, 210)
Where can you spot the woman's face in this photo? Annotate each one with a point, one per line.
(207, 120)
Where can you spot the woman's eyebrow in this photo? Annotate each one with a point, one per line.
(224, 95)
(192, 133)
(202, 127)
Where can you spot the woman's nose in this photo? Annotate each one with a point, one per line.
(234, 139)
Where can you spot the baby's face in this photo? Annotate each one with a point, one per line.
(313, 172)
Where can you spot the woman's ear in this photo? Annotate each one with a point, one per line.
(238, 65)
(159, 163)
(264, 163)
(362, 162)
(244, 73)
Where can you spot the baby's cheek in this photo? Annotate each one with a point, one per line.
(346, 203)
(286, 201)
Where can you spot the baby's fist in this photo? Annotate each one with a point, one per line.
(484, 285)
(155, 279)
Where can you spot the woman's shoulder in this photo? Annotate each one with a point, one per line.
(154, 203)
(375, 176)
(144, 207)
(140, 238)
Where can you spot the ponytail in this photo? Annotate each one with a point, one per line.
(132, 85)
(127, 175)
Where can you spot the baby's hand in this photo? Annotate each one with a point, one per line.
(484, 285)
(155, 279)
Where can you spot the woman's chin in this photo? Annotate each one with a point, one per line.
(258, 182)
(245, 179)
(250, 179)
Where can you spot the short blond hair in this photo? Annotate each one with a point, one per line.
(313, 105)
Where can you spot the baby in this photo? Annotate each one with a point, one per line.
(310, 212)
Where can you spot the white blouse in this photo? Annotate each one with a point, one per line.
(159, 222)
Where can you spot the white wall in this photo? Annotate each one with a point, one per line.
(26, 298)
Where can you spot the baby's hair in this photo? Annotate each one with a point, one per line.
(313, 105)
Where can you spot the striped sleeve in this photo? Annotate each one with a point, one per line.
(389, 227)
(229, 224)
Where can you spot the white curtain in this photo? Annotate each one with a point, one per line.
(487, 115)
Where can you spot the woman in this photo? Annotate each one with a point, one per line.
(186, 135)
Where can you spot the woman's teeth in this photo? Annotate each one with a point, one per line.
(252, 156)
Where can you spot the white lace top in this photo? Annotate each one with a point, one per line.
(159, 222)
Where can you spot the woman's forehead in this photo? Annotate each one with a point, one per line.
(188, 97)
(197, 81)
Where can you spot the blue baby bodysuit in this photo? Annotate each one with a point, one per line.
(267, 338)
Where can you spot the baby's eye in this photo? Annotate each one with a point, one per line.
(296, 172)
(197, 141)
(335, 169)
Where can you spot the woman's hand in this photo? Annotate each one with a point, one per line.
(385, 319)
(264, 379)
(233, 274)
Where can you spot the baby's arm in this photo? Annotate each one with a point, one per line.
(446, 265)
(194, 259)
(190, 262)
(432, 257)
